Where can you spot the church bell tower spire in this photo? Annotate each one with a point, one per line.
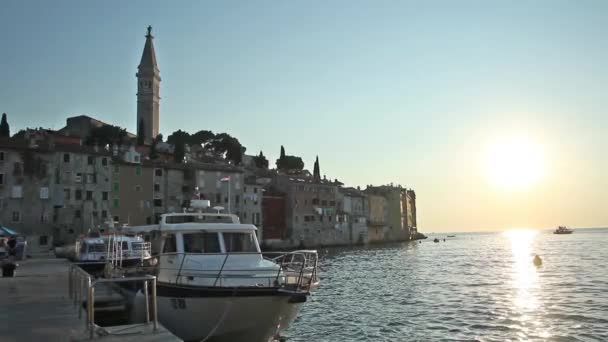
(148, 87)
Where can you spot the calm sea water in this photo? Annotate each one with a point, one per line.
(475, 286)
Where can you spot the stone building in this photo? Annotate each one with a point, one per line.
(354, 212)
(174, 185)
(274, 219)
(408, 202)
(378, 216)
(81, 127)
(251, 211)
(132, 193)
(400, 211)
(52, 188)
(311, 209)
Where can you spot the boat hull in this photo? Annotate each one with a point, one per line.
(225, 314)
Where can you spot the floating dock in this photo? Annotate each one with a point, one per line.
(35, 305)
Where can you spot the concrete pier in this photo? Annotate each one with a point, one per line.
(35, 306)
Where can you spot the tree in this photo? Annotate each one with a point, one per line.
(316, 172)
(180, 135)
(260, 161)
(201, 137)
(282, 152)
(289, 163)
(153, 153)
(141, 135)
(179, 149)
(106, 135)
(5, 131)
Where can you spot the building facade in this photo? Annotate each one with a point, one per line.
(251, 211)
(311, 209)
(354, 214)
(53, 189)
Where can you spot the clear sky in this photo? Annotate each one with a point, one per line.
(420, 93)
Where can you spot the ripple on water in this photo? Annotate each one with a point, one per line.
(469, 289)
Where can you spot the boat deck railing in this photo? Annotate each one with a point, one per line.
(81, 283)
(297, 270)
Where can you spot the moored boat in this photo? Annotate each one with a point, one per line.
(94, 251)
(215, 283)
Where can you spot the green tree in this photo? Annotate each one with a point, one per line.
(106, 135)
(201, 137)
(282, 152)
(179, 149)
(153, 153)
(140, 133)
(5, 131)
(260, 161)
(180, 135)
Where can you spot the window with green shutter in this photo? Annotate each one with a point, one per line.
(138, 170)
(116, 203)
(116, 187)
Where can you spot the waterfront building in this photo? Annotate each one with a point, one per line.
(252, 204)
(311, 209)
(396, 228)
(52, 188)
(132, 192)
(408, 203)
(354, 214)
(175, 184)
(378, 216)
(274, 218)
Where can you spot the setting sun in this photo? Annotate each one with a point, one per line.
(514, 163)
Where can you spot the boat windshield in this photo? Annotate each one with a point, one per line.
(197, 219)
(240, 243)
(96, 247)
(201, 243)
(138, 246)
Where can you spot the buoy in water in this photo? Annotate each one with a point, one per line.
(537, 261)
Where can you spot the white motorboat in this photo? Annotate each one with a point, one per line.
(94, 251)
(214, 283)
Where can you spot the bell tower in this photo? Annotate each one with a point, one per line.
(148, 87)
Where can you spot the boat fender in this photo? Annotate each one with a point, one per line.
(297, 298)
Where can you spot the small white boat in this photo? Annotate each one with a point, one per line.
(215, 283)
(563, 230)
(94, 251)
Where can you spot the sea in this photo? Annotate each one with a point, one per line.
(470, 287)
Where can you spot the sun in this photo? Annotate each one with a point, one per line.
(514, 162)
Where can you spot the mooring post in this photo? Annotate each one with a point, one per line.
(154, 304)
(147, 298)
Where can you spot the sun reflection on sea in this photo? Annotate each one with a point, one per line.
(525, 282)
(524, 274)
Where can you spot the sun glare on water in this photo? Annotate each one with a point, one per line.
(514, 163)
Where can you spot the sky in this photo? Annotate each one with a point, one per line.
(417, 93)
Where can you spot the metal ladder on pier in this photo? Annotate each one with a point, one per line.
(81, 283)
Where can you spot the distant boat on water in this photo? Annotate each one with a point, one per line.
(563, 230)
(451, 235)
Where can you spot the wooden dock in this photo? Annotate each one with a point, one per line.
(35, 306)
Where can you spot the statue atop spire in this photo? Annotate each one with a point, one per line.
(149, 32)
